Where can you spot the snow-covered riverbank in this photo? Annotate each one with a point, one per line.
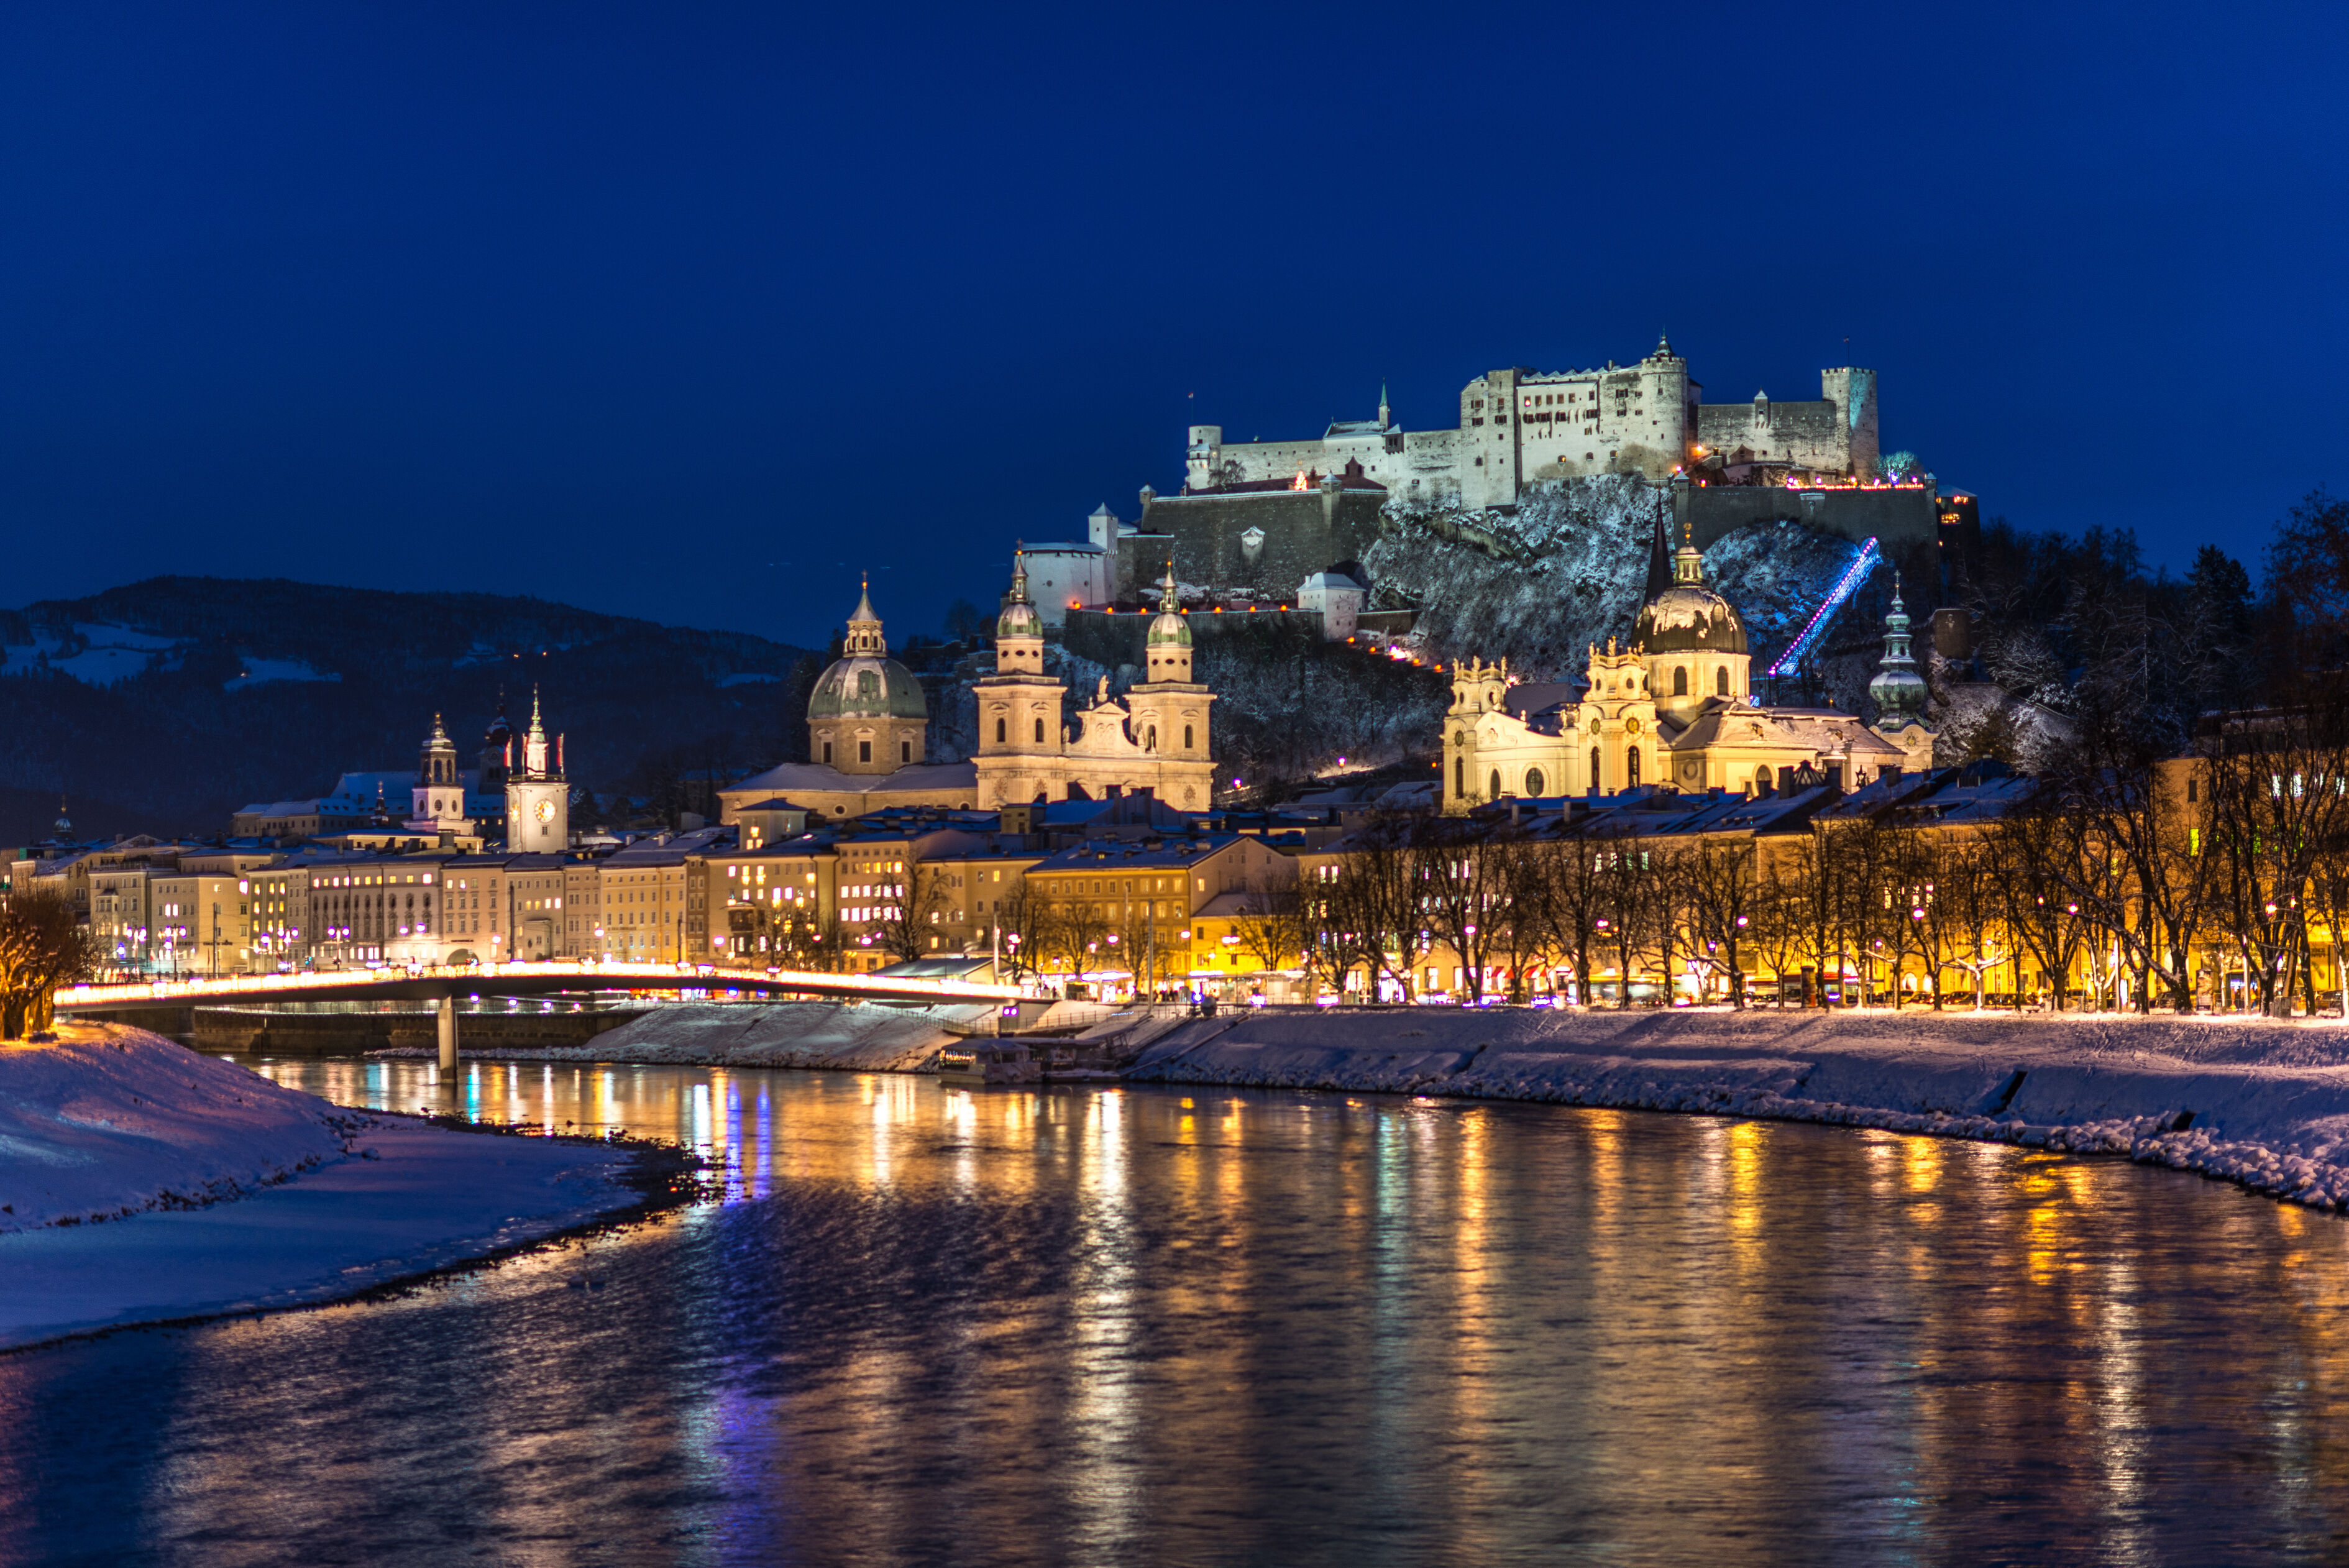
(143, 1182)
(2261, 1102)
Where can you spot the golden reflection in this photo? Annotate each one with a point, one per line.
(1743, 1209)
(1921, 1162)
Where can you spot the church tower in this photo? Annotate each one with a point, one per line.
(439, 792)
(538, 798)
(1899, 692)
(1169, 709)
(1021, 733)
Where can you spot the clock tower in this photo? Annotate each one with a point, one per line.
(538, 798)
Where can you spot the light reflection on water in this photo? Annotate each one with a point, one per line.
(1158, 1326)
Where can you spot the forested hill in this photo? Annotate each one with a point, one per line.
(168, 703)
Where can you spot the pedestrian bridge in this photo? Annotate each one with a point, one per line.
(429, 983)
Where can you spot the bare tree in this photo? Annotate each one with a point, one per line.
(909, 928)
(1380, 897)
(1276, 924)
(1722, 894)
(42, 947)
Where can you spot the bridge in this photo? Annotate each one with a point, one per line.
(423, 983)
(445, 983)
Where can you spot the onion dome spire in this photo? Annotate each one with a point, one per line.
(1018, 617)
(1898, 691)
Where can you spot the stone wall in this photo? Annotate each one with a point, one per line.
(1894, 517)
(1112, 640)
(1304, 532)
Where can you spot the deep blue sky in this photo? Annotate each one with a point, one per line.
(690, 312)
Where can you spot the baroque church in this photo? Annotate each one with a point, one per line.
(868, 728)
(1674, 707)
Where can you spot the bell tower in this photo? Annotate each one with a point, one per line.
(440, 794)
(1021, 730)
(538, 798)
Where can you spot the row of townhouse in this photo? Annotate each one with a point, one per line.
(1149, 891)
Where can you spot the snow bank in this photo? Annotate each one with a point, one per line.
(2261, 1102)
(849, 1036)
(412, 1198)
(108, 1121)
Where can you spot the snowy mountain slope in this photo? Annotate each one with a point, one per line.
(177, 700)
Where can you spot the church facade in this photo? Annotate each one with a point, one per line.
(868, 728)
(1673, 706)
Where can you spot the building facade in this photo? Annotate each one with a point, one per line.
(868, 728)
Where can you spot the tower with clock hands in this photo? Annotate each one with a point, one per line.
(538, 797)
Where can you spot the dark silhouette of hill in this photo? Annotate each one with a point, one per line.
(219, 716)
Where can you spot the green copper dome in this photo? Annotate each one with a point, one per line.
(865, 687)
(1170, 629)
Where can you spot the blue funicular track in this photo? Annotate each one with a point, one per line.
(1822, 617)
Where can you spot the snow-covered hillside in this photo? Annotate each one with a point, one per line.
(1569, 568)
(108, 1121)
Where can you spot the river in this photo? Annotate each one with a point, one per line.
(1158, 1326)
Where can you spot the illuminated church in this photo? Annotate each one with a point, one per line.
(868, 727)
(1673, 706)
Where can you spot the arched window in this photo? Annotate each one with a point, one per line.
(1720, 681)
(1187, 737)
(1679, 679)
(1149, 739)
(1534, 781)
(999, 732)
(1496, 785)
(1039, 732)
(1594, 770)
(1459, 776)
(1761, 781)
(1632, 767)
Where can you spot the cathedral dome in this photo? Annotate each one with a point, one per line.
(864, 682)
(865, 686)
(1688, 618)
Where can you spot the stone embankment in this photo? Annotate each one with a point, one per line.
(2261, 1102)
(844, 1036)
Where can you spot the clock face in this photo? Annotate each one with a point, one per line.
(546, 811)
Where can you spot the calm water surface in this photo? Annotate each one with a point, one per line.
(1143, 1327)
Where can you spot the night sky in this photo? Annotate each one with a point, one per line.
(692, 313)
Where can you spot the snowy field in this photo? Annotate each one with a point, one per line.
(140, 1182)
(2258, 1102)
(850, 1036)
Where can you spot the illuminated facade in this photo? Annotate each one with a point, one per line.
(1674, 707)
(1518, 428)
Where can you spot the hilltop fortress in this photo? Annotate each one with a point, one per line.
(1518, 428)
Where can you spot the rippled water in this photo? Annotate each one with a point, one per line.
(1145, 1326)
